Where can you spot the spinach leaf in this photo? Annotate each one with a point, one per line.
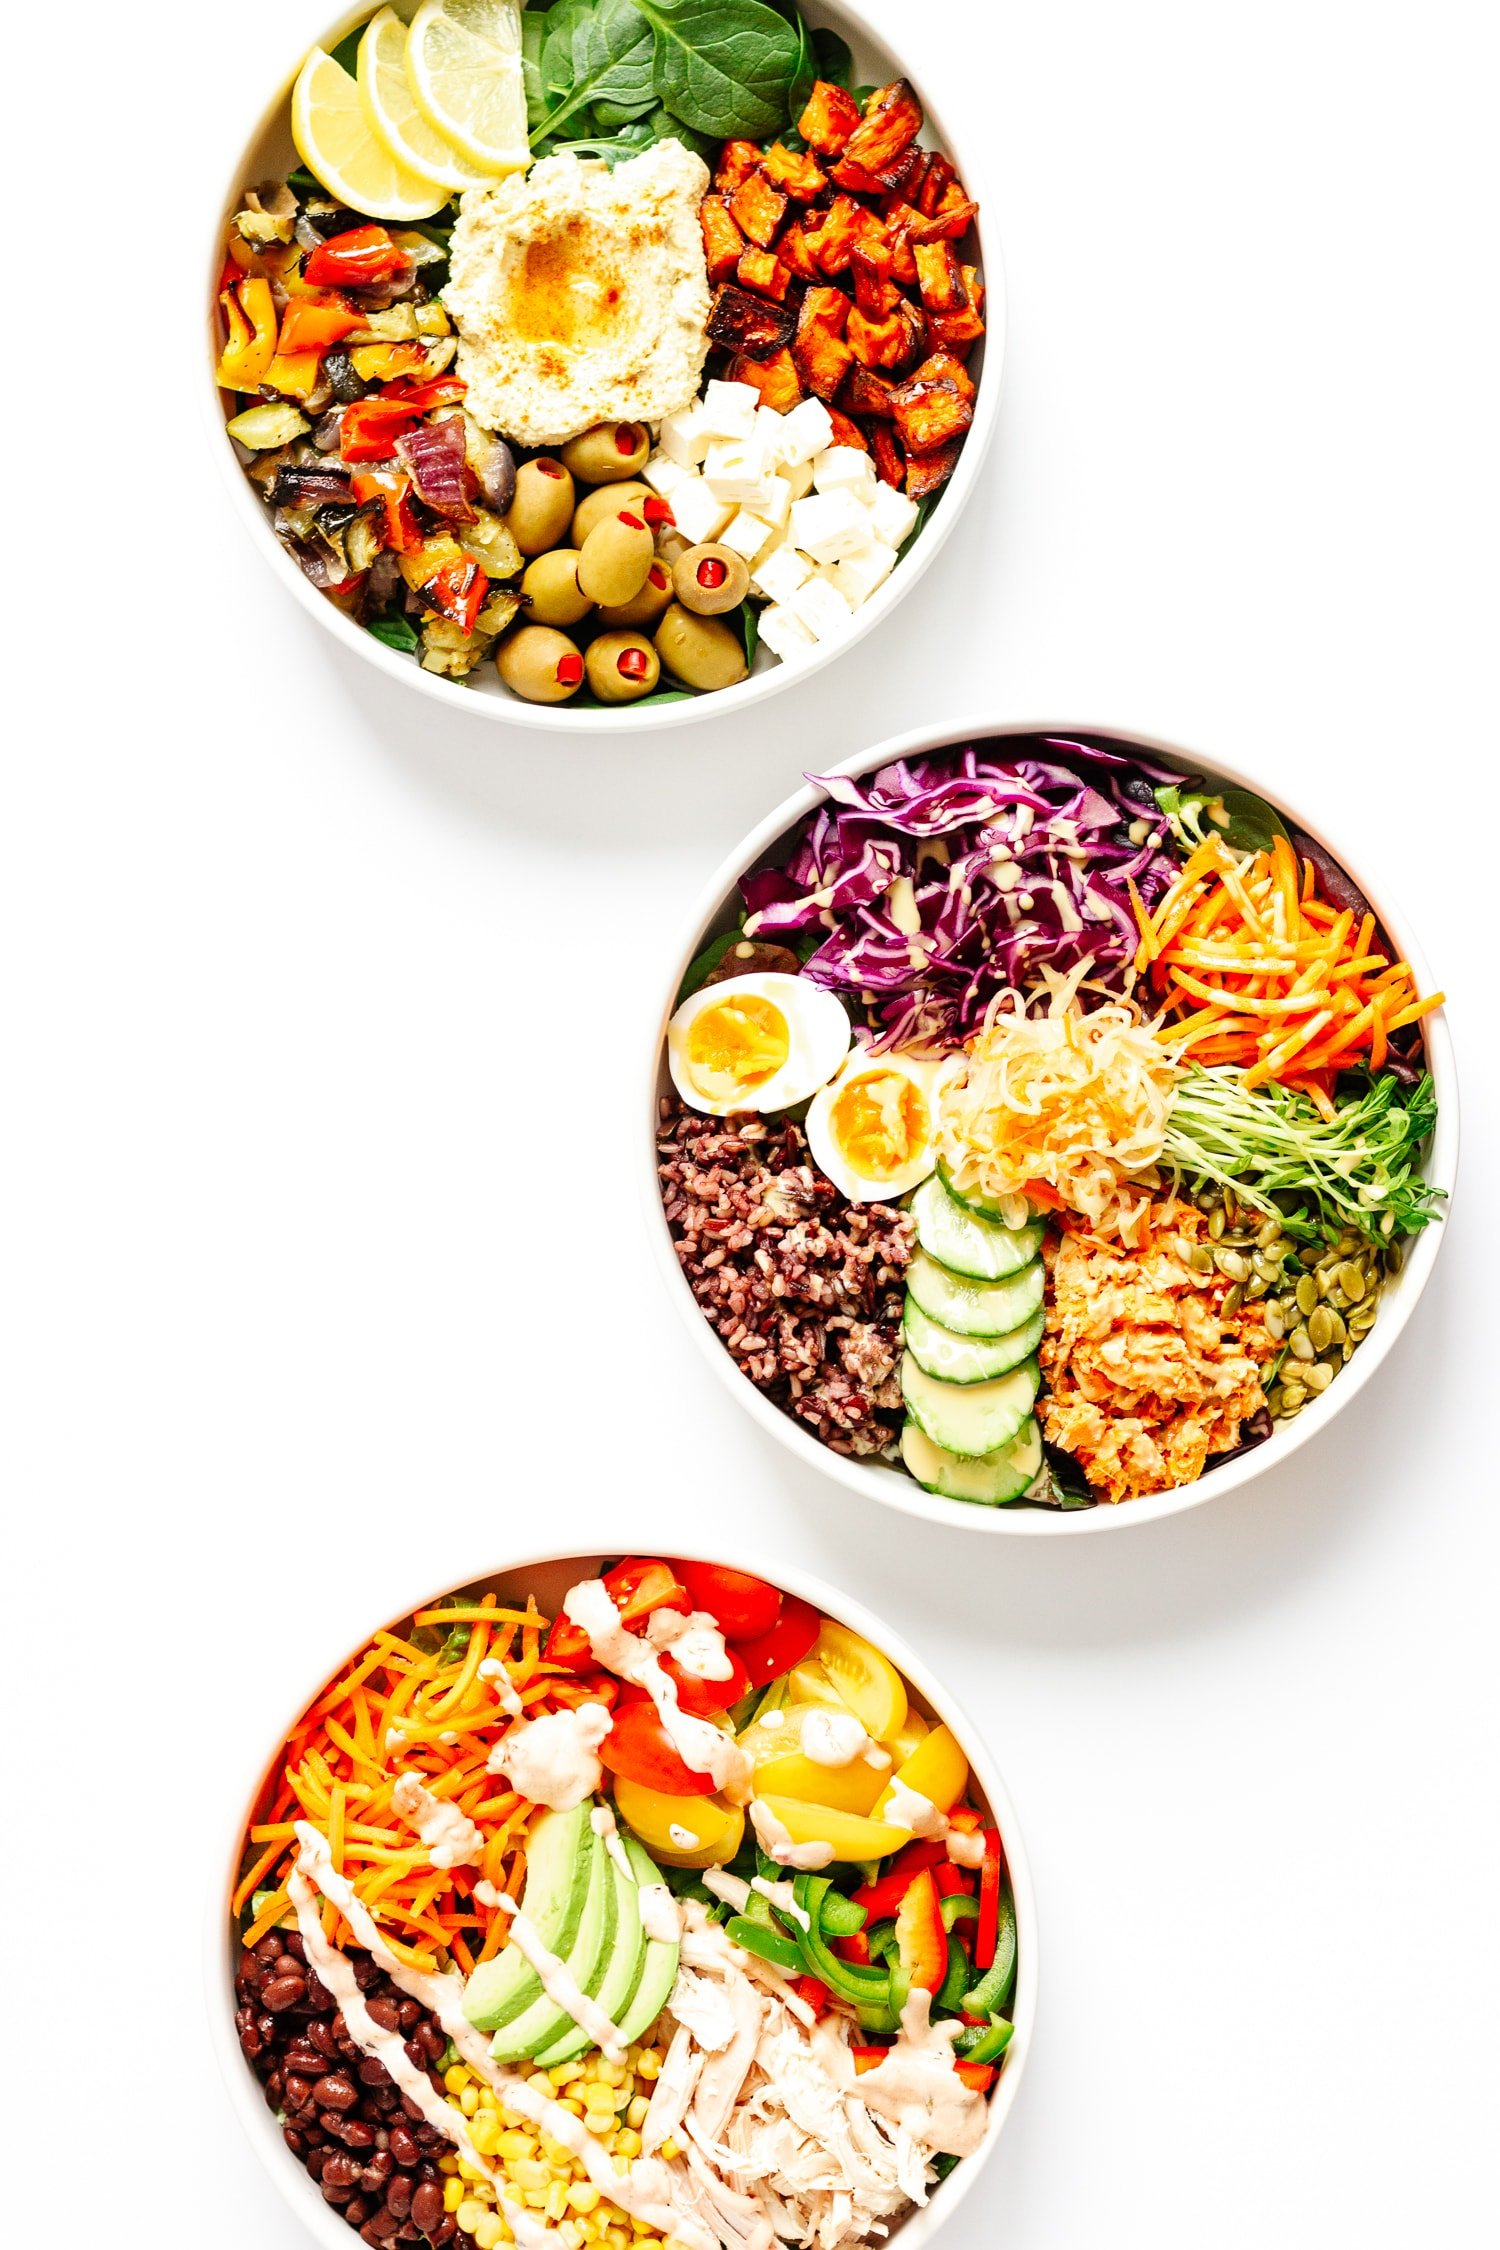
(805, 74)
(924, 510)
(835, 62)
(724, 67)
(698, 971)
(596, 57)
(396, 632)
(1195, 808)
(749, 630)
(346, 53)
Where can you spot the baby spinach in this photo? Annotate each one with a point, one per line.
(597, 59)
(725, 67)
(396, 632)
(1241, 818)
(835, 62)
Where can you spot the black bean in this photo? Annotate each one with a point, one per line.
(427, 2207)
(283, 1992)
(403, 2147)
(386, 2014)
(336, 2091)
(398, 2193)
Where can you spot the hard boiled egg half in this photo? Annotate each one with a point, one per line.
(758, 1042)
(874, 1130)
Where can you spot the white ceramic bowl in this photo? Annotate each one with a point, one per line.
(717, 910)
(549, 1577)
(266, 151)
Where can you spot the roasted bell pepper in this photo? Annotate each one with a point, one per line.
(381, 363)
(368, 429)
(987, 1939)
(420, 398)
(294, 374)
(636, 1588)
(458, 592)
(315, 324)
(393, 489)
(250, 348)
(361, 259)
(921, 1940)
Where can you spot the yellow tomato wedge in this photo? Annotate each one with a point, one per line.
(807, 1682)
(864, 1679)
(914, 1730)
(783, 1768)
(937, 1769)
(680, 1831)
(850, 1836)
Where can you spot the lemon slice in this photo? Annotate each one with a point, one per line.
(463, 58)
(334, 141)
(391, 106)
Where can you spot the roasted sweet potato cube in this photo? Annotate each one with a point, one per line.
(911, 186)
(758, 208)
(795, 250)
(951, 221)
(723, 243)
(891, 343)
(795, 172)
(751, 325)
(829, 118)
(737, 160)
(866, 393)
(931, 414)
(900, 220)
(890, 461)
(936, 179)
(892, 179)
(763, 271)
(847, 432)
(822, 360)
(823, 308)
(939, 276)
(956, 331)
(943, 367)
(775, 378)
(832, 243)
(929, 472)
(874, 292)
(892, 121)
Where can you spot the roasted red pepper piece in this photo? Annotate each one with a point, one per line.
(392, 487)
(368, 429)
(987, 1934)
(636, 1588)
(316, 324)
(361, 259)
(921, 1940)
(418, 398)
(458, 593)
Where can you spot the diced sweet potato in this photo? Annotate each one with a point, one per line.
(874, 292)
(830, 117)
(900, 219)
(758, 208)
(832, 243)
(763, 271)
(751, 325)
(823, 308)
(931, 414)
(911, 186)
(795, 250)
(723, 242)
(795, 172)
(940, 277)
(866, 393)
(821, 355)
(882, 185)
(956, 331)
(942, 367)
(846, 432)
(737, 160)
(929, 472)
(892, 121)
(775, 378)
(951, 221)
(892, 343)
(890, 461)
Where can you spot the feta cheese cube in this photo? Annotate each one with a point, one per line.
(735, 469)
(844, 468)
(799, 475)
(747, 535)
(784, 634)
(807, 430)
(768, 428)
(857, 577)
(779, 574)
(892, 515)
(664, 475)
(683, 437)
(699, 515)
(729, 410)
(776, 501)
(821, 608)
(831, 525)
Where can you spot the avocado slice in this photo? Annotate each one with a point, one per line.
(622, 1970)
(558, 1866)
(546, 2019)
(659, 1968)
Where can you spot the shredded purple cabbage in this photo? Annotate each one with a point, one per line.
(1016, 865)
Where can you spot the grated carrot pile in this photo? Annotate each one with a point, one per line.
(400, 1708)
(1258, 971)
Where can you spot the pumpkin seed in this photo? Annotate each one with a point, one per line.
(1292, 1398)
(1216, 1221)
(1233, 1266)
(1337, 1332)
(1319, 1377)
(1255, 1287)
(1268, 1234)
(1275, 1322)
(1352, 1280)
(1233, 1300)
(1301, 1344)
(1201, 1258)
(1307, 1296)
(1320, 1328)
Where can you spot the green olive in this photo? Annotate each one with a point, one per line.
(551, 589)
(701, 651)
(609, 453)
(622, 667)
(543, 506)
(595, 506)
(616, 556)
(539, 665)
(648, 604)
(710, 579)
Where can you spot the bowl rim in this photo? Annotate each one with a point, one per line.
(890, 1486)
(564, 718)
(220, 1950)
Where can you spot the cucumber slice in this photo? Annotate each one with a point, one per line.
(967, 1359)
(970, 1418)
(988, 1478)
(975, 1308)
(967, 1244)
(1009, 1211)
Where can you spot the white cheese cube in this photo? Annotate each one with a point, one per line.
(779, 574)
(805, 431)
(857, 577)
(664, 475)
(844, 468)
(683, 437)
(699, 515)
(831, 525)
(892, 516)
(768, 428)
(784, 634)
(821, 608)
(729, 410)
(747, 535)
(799, 475)
(776, 501)
(735, 469)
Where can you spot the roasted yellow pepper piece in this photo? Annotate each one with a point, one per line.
(250, 317)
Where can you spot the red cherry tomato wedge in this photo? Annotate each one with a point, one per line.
(703, 1699)
(639, 1748)
(636, 1589)
(742, 1607)
(788, 1641)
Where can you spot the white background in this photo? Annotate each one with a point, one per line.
(323, 1024)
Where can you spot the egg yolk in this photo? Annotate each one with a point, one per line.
(879, 1121)
(736, 1045)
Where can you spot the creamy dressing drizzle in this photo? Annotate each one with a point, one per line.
(966, 1847)
(560, 1985)
(554, 1760)
(704, 1748)
(776, 1842)
(531, 2233)
(908, 1808)
(833, 1738)
(918, 2088)
(694, 1642)
(497, 1673)
(451, 1838)
(607, 1829)
(733, 1890)
(661, 1917)
(783, 1897)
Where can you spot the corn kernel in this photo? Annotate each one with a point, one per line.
(572, 2234)
(671, 2148)
(455, 2079)
(627, 2143)
(601, 2121)
(583, 2196)
(574, 2108)
(563, 2074)
(557, 2156)
(471, 2172)
(485, 2134)
(469, 2214)
(557, 2199)
(635, 2116)
(468, 2100)
(529, 2173)
(649, 2066)
(448, 2163)
(488, 2231)
(515, 2147)
(453, 2194)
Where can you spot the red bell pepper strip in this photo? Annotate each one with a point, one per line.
(814, 1993)
(855, 1948)
(312, 324)
(361, 259)
(951, 1881)
(921, 1940)
(979, 2076)
(987, 1937)
(868, 2058)
(881, 1898)
(636, 1588)
(368, 429)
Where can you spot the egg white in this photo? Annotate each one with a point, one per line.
(818, 1030)
(826, 1153)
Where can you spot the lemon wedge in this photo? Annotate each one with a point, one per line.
(395, 119)
(463, 58)
(333, 138)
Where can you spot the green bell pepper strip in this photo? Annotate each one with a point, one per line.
(841, 1917)
(960, 1908)
(766, 1943)
(846, 1980)
(900, 1988)
(984, 2043)
(882, 1941)
(950, 1993)
(998, 1982)
(878, 2019)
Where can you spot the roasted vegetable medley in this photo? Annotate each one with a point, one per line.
(1048, 1122)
